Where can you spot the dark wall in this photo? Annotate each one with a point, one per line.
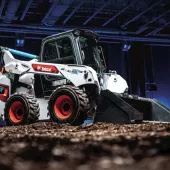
(31, 46)
(143, 64)
(129, 65)
(115, 58)
(161, 63)
(5, 42)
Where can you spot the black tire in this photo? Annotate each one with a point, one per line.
(79, 105)
(21, 109)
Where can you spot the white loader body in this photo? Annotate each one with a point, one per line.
(114, 83)
(27, 69)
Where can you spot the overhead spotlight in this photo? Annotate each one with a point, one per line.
(126, 46)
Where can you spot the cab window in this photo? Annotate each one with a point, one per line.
(59, 51)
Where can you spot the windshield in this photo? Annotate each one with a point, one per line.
(90, 53)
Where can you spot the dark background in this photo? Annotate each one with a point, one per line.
(144, 25)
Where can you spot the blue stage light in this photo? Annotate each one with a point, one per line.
(20, 42)
(126, 46)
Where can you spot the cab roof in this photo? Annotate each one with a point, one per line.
(75, 32)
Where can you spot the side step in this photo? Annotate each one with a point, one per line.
(113, 109)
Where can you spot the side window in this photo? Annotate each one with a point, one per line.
(59, 51)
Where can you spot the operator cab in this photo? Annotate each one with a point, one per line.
(75, 47)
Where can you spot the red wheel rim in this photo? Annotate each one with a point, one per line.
(63, 107)
(16, 112)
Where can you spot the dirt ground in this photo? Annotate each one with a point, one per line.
(54, 146)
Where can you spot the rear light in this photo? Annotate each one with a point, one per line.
(4, 92)
(44, 68)
(2, 70)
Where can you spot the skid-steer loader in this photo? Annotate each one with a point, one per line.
(66, 83)
(63, 84)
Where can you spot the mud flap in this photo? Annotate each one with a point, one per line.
(113, 109)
